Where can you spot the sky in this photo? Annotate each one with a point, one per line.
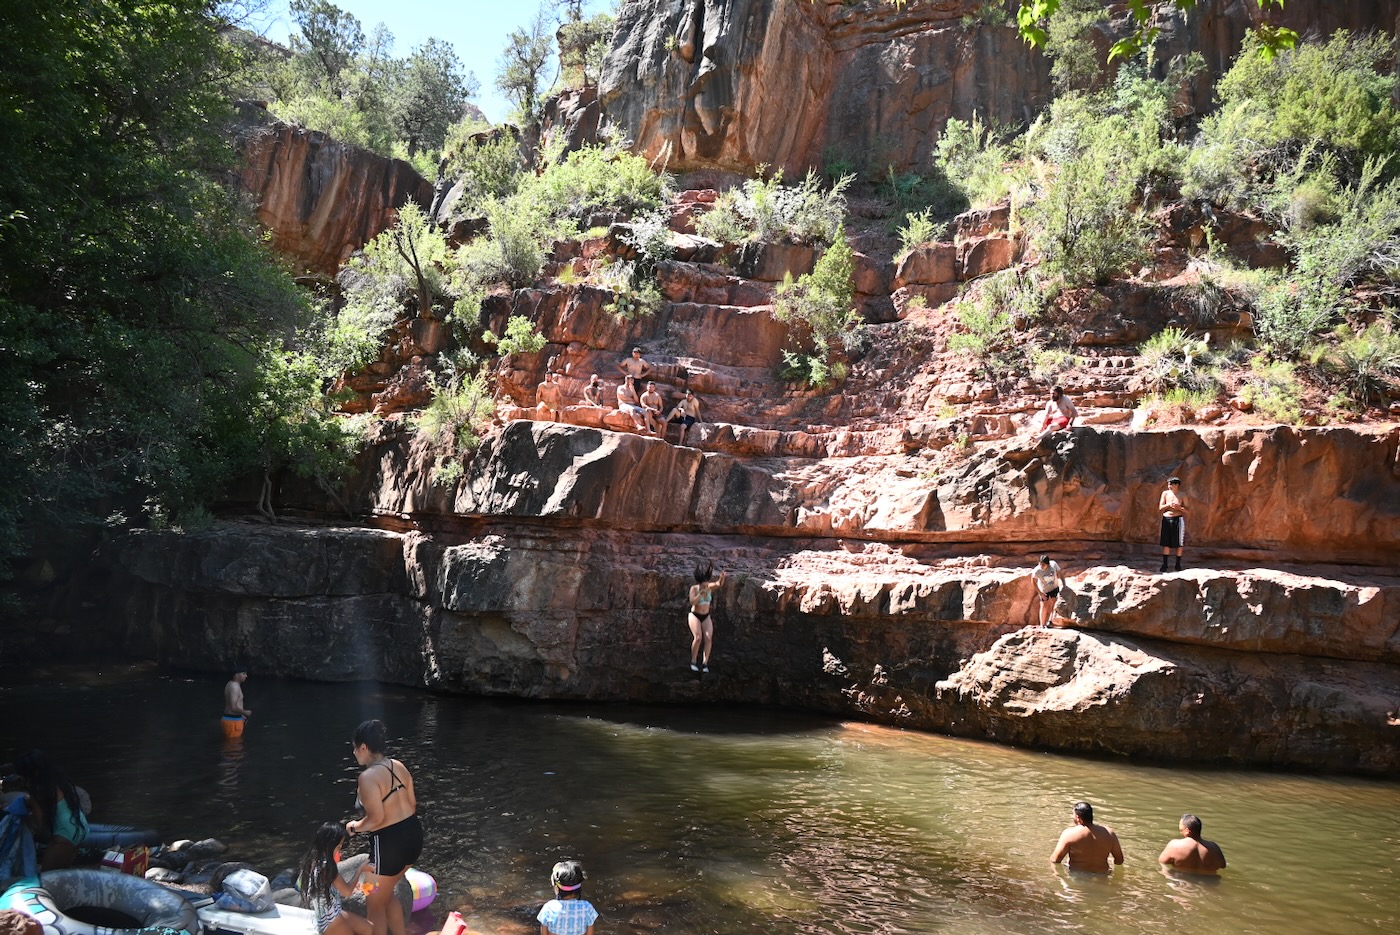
(477, 30)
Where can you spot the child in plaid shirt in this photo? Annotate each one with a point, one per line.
(568, 913)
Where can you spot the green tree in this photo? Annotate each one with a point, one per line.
(327, 41)
(137, 302)
(430, 95)
(583, 44)
(523, 65)
(1074, 60)
(407, 259)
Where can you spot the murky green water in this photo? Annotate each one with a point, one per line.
(721, 821)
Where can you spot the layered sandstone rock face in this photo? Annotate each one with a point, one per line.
(790, 84)
(878, 535)
(321, 199)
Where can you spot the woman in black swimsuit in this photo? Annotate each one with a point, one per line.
(702, 628)
(391, 820)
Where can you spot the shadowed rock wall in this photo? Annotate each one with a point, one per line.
(557, 567)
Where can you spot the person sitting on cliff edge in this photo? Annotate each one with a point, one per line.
(686, 412)
(593, 392)
(1192, 853)
(1060, 413)
(550, 396)
(628, 402)
(1087, 845)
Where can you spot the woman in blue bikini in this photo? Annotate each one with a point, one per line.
(391, 821)
(702, 628)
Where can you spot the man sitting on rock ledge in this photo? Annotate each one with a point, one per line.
(687, 413)
(628, 402)
(593, 392)
(1060, 413)
(1087, 845)
(550, 396)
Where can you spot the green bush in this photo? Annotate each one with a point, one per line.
(1337, 94)
(918, 228)
(604, 178)
(635, 294)
(1291, 313)
(822, 301)
(1275, 113)
(1173, 359)
(488, 170)
(764, 211)
(402, 270)
(461, 410)
(990, 314)
(1273, 390)
(973, 159)
(932, 193)
(650, 235)
(1365, 361)
(520, 337)
(338, 119)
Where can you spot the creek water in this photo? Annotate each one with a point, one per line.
(717, 820)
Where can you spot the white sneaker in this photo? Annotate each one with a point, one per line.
(694, 667)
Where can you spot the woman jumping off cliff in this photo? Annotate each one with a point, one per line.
(702, 627)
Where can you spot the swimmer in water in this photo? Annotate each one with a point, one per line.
(1087, 845)
(1192, 853)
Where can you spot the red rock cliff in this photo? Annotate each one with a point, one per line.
(789, 84)
(321, 199)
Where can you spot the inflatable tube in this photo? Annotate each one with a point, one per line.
(424, 888)
(115, 837)
(350, 866)
(150, 904)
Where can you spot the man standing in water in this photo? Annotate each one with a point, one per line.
(234, 713)
(1087, 845)
(1192, 853)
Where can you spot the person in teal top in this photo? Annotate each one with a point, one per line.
(56, 812)
(702, 627)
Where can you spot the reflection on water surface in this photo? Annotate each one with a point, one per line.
(719, 820)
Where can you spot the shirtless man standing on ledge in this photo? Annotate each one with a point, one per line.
(1087, 845)
(1192, 853)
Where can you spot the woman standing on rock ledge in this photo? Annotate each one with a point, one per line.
(702, 628)
(391, 820)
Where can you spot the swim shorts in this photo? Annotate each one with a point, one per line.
(396, 847)
(1173, 532)
(1050, 595)
(688, 420)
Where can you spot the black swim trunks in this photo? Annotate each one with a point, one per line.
(1171, 532)
(688, 420)
(396, 847)
(1050, 595)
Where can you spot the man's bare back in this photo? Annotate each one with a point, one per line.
(1088, 848)
(1192, 853)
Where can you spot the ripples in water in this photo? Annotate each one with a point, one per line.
(720, 820)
